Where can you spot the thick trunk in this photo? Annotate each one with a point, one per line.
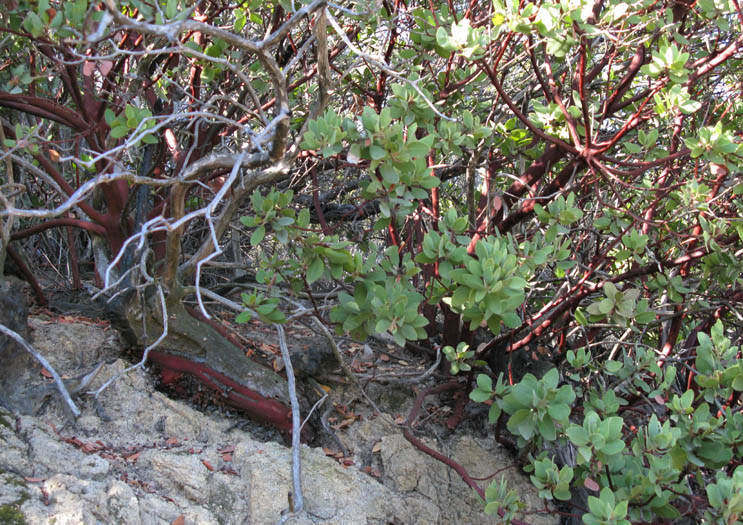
(193, 346)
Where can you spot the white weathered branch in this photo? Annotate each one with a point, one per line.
(376, 61)
(296, 423)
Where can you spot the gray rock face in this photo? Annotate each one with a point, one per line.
(15, 360)
(153, 460)
(431, 484)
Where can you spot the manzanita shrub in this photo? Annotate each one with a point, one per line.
(555, 172)
(637, 466)
(481, 177)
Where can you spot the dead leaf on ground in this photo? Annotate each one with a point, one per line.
(171, 441)
(270, 349)
(29, 479)
(332, 453)
(346, 422)
(207, 465)
(90, 447)
(132, 458)
(377, 447)
(226, 453)
(372, 471)
(180, 520)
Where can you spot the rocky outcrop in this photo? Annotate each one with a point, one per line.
(136, 456)
(15, 360)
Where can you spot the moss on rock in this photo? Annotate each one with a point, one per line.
(11, 515)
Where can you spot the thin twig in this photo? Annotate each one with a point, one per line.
(397, 380)
(326, 426)
(210, 209)
(314, 407)
(349, 374)
(378, 62)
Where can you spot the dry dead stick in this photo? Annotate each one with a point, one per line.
(347, 371)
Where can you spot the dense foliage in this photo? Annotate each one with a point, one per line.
(490, 177)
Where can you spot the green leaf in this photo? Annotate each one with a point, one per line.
(559, 411)
(494, 413)
(613, 447)
(562, 491)
(303, 219)
(715, 454)
(577, 435)
(315, 270)
(479, 396)
(119, 131)
(511, 320)
(109, 116)
(258, 234)
(33, 24)
(370, 120)
(377, 152)
(240, 20)
(606, 306)
(171, 9)
(551, 378)
(522, 423)
(444, 40)
(645, 317)
(417, 149)
(547, 429)
(389, 173)
(484, 382)
(243, 317)
(354, 154)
